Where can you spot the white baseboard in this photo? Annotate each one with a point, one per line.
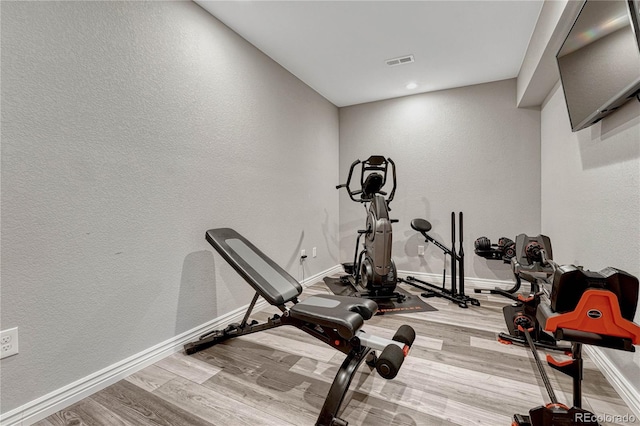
(621, 384)
(59, 399)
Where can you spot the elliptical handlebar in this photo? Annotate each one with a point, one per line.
(393, 175)
(346, 185)
(379, 164)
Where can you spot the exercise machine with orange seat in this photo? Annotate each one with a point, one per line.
(584, 308)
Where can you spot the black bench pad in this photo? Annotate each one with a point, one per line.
(342, 313)
(272, 282)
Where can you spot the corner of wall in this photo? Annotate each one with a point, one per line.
(538, 73)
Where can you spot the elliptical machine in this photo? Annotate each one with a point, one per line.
(373, 272)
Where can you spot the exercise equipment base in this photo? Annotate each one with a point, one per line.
(542, 340)
(373, 295)
(432, 290)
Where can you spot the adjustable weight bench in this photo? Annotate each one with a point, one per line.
(335, 320)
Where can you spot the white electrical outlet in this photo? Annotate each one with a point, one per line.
(8, 342)
(420, 250)
(315, 252)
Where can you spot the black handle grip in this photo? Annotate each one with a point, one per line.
(346, 185)
(395, 181)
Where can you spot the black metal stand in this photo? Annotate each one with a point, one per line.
(509, 292)
(555, 413)
(457, 267)
(342, 381)
(234, 330)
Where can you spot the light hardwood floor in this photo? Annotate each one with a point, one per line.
(456, 374)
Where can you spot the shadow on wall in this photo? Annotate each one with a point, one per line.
(295, 255)
(613, 140)
(432, 261)
(329, 237)
(500, 270)
(427, 261)
(427, 208)
(197, 296)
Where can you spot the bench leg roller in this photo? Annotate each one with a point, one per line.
(405, 334)
(390, 361)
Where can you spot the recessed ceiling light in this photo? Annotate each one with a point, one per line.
(411, 86)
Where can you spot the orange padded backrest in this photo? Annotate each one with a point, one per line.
(598, 311)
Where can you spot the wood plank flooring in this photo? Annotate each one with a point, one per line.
(457, 374)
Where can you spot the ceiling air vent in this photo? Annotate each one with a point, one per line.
(400, 61)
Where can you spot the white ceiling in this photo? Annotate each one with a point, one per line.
(339, 48)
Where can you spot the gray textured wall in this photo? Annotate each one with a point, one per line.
(467, 149)
(128, 130)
